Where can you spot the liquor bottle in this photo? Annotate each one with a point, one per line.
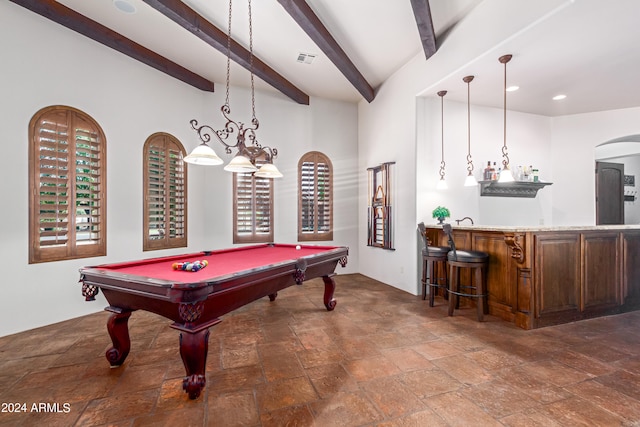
(487, 172)
(494, 172)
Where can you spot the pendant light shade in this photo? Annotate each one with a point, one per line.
(240, 164)
(203, 155)
(470, 181)
(442, 184)
(505, 175)
(268, 170)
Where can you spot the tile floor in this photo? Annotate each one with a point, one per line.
(382, 358)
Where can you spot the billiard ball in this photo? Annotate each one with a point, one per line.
(297, 247)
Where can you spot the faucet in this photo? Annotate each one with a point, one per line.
(458, 221)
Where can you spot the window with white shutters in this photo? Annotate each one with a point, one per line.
(67, 181)
(165, 189)
(252, 208)
(315, 201)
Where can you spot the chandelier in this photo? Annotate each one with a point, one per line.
(248, 148)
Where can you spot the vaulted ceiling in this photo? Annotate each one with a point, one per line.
(585, 48)
(354, 45)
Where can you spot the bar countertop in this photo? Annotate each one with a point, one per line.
(532, 228)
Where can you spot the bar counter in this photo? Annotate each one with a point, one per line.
(547, 275)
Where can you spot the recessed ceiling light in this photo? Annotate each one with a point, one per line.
(512, 88)
(306, 58)
(559, 97)
(124, 6)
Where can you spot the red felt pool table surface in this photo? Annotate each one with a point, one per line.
(221, 262)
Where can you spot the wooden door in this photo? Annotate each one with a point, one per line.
(609, 193)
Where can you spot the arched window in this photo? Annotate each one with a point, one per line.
(67, 179)
(165, 193)
(252, 207)
(315, 201)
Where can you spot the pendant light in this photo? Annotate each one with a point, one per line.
(505, 175)
(470, 181)
(442, 184)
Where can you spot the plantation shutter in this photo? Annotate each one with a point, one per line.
(88, 171)
(308, 197)
(253, 208)
(165, 209)
(315, 198)
(67, 181)
(53, 197)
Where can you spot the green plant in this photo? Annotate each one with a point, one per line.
(441, 212)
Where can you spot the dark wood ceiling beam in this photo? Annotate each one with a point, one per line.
(74, 21)
(311, 24)
(189, 19)
(422, 13)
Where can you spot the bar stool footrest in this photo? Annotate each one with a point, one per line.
(460, 294)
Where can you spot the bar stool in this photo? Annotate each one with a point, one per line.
(476, 261)
(434, 266)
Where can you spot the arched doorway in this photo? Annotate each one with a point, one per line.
(617, 166)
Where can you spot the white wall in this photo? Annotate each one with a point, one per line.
(389, 129)
(45, 64)
(563, 148)
(632, 207)
(528, 142)
(574, 140)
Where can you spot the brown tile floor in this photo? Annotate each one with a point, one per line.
(382, 358)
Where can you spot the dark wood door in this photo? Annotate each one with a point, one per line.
(609, 193)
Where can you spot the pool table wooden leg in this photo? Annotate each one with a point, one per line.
(193, 349)
(329, 288)
(118, 327)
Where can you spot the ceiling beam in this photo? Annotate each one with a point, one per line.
(189, 19)
(311, 24)
(74, 21)
(422, 13)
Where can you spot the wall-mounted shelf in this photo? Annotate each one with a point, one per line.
(511, 189)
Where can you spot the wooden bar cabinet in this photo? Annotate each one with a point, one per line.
(541, 276)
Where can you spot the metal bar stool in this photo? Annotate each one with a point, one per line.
(434, 268)
(476, 261)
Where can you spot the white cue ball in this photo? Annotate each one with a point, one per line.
(297, 247)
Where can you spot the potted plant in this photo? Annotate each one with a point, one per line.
(441, 213)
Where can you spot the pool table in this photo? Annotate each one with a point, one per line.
(195, 300)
